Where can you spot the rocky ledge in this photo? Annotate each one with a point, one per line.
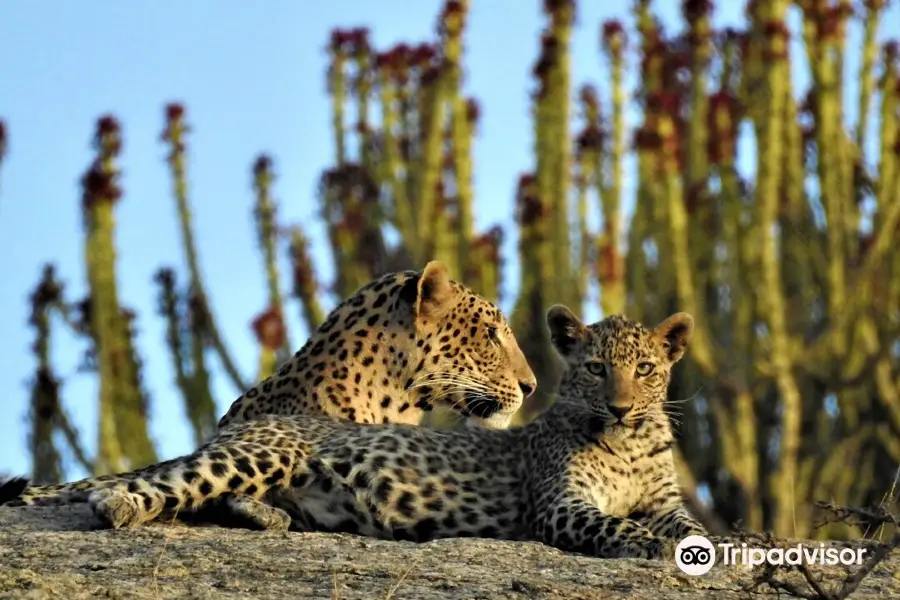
(60, 553)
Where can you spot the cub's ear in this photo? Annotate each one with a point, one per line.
(673, 335)
(566, 331)
(433, 291)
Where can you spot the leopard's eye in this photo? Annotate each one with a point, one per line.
(492, 334)
(644, 369)
(596, 368)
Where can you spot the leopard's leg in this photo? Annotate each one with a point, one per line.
(663, 512)
(672, 521)
(572, 524)
(239, 512)
(258, 513)
(239, 466)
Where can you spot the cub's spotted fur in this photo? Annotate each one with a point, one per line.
(592, 474)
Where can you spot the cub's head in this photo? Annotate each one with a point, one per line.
(617, 366)
(467, 357)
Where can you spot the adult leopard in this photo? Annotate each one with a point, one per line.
(401, 345)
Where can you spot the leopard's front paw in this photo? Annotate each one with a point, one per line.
(653, 548)
(658, 548)
(117, 508)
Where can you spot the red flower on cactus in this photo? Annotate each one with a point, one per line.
(174, 111)
(495, 235)
(354, 221)
(165, 277)
(174, 114)
(590, 139)
(547, 58)
(647, 137)
(393, 59)
(49, 291)
(453, 7)
(829, 21)
(778, 35)
(557, 8)
(473, 111)
(422, 54)
(98, 186)
(107, 125)
(529, 207)
(431, 75)
(663, 102)
(339, 39)
(107, 137)
(269, 329)
(262, 165)
(694, 197)
(358, 41)
(694, 10)
(613, 37)
(452, 18)
(608, 262)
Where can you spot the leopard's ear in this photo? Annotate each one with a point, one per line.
(673, 335)
(566, 330)
(434, 293)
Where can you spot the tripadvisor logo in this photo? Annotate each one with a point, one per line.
(696, 555)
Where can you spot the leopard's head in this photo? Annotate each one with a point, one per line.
(467, 357)
(617, 366)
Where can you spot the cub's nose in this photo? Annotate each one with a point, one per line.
(619, 411)
(527, 387)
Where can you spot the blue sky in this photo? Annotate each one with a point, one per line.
(253, 81)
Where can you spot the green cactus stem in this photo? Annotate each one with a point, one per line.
(174, 135)
(45, 401)
(304, 280)
(264, 213)
(122, 410)
(613, 282)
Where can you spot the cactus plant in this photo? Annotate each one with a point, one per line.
(788, 267)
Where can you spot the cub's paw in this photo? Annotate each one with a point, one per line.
(117, 508)
(653, 548)
(666, 549)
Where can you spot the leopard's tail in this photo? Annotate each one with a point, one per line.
(16, 491)
(12, 488)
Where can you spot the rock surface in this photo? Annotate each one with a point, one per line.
(59, 553)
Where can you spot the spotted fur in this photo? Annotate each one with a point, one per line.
(399, 346)
(592, 474)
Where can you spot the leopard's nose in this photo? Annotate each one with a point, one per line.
(527, 387)
(619, 410)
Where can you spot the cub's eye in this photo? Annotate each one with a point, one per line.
(644, 369)
(596, 368)
(492, 334)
